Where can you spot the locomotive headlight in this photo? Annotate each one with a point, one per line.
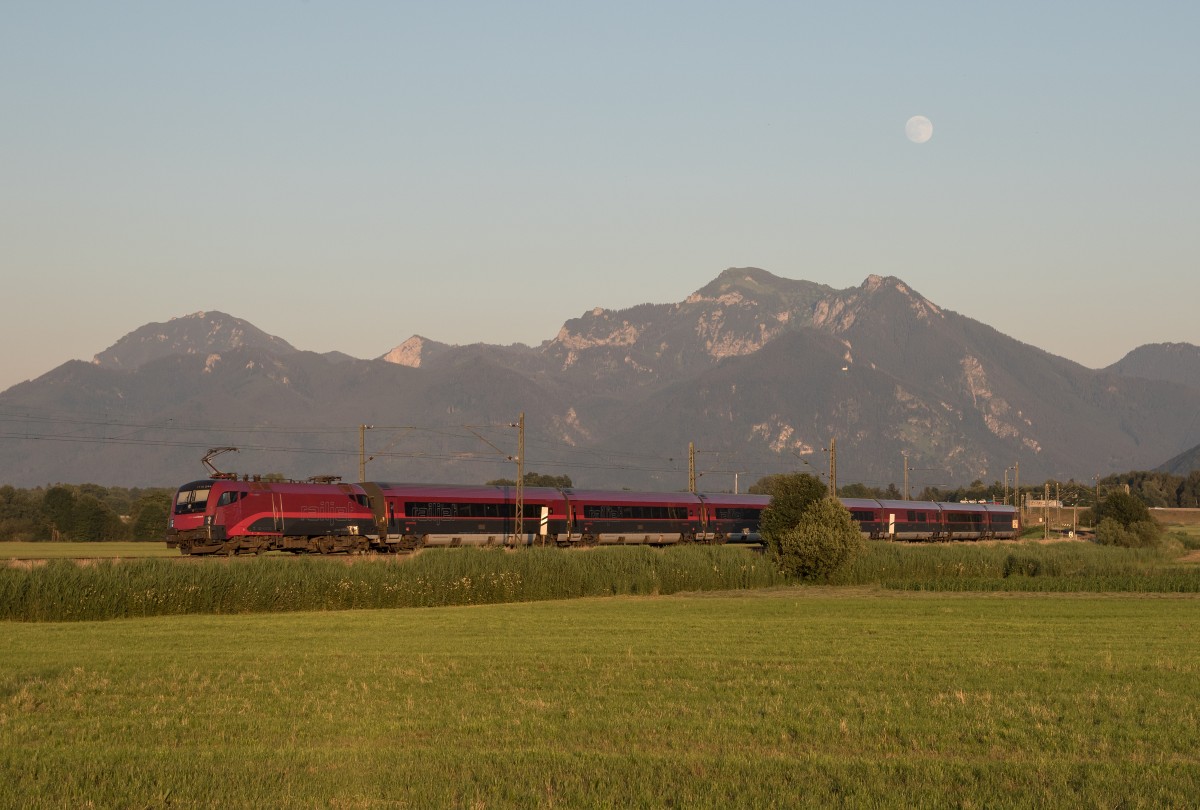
(171, 523)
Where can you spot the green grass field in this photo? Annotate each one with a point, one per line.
(772, 698)
(20, 550)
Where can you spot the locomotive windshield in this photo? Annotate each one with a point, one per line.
(192, 498)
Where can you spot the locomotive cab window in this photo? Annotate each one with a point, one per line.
(192, 500)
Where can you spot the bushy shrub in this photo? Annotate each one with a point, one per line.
(826, 540)
(791, 496)
(1124, 508)
(1140, 534)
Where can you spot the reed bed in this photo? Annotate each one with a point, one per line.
(1034, 567)
(62, 590)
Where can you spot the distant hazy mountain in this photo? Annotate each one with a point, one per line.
(199, 333)
(1175, 362)
(758, 371)
(1183, 463)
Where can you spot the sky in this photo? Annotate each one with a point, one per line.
(346, 174)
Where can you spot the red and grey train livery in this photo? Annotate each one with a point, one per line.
(224, 516)
(228, 516)
(933, 520)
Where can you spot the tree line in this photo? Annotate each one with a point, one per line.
(84, 513)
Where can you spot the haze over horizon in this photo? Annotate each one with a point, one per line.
(346, 176)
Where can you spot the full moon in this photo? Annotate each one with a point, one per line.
(919, 129)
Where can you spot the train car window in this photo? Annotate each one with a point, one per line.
(192, 500)
(601, 512)
(442, 509)
(607, 511)
(738, 513)
(228, 498)
(862, 515)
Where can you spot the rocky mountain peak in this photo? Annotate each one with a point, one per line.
(204, 333)
(413, 352)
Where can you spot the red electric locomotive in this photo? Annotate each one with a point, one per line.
(228, 516)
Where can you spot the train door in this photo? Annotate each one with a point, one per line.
(229, 511)
(277, 511)
(381, 510)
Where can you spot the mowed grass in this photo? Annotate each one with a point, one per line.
(773, 698)
(21, 550)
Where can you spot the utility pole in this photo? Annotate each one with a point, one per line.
(519, 517)
(1046, 513)
(905, 476)
(1017, 491)
(362, 452)
(833, 467)
(691, 467)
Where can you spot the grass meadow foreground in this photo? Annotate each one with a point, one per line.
(771, 698)
(23, 550)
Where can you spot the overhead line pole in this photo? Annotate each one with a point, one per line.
(833, 467)
(519, 518)
(362, 452)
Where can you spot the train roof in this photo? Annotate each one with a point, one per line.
(508, 491)
(729, 499)
(300, 487)
(934, 505)
(629, 497)
(942, 506)
(469, 491)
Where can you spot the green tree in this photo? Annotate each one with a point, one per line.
(1122, 507)
(150, 515)
(858, 491)
(825, 541)
(791, 494)
(534, 479)
(58, 507)
(21, 516)
(1122, 519)
(94, 521)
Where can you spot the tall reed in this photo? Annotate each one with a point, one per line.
(62, 590)
(1067, 566)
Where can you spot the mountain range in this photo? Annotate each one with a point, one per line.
(757, 372)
